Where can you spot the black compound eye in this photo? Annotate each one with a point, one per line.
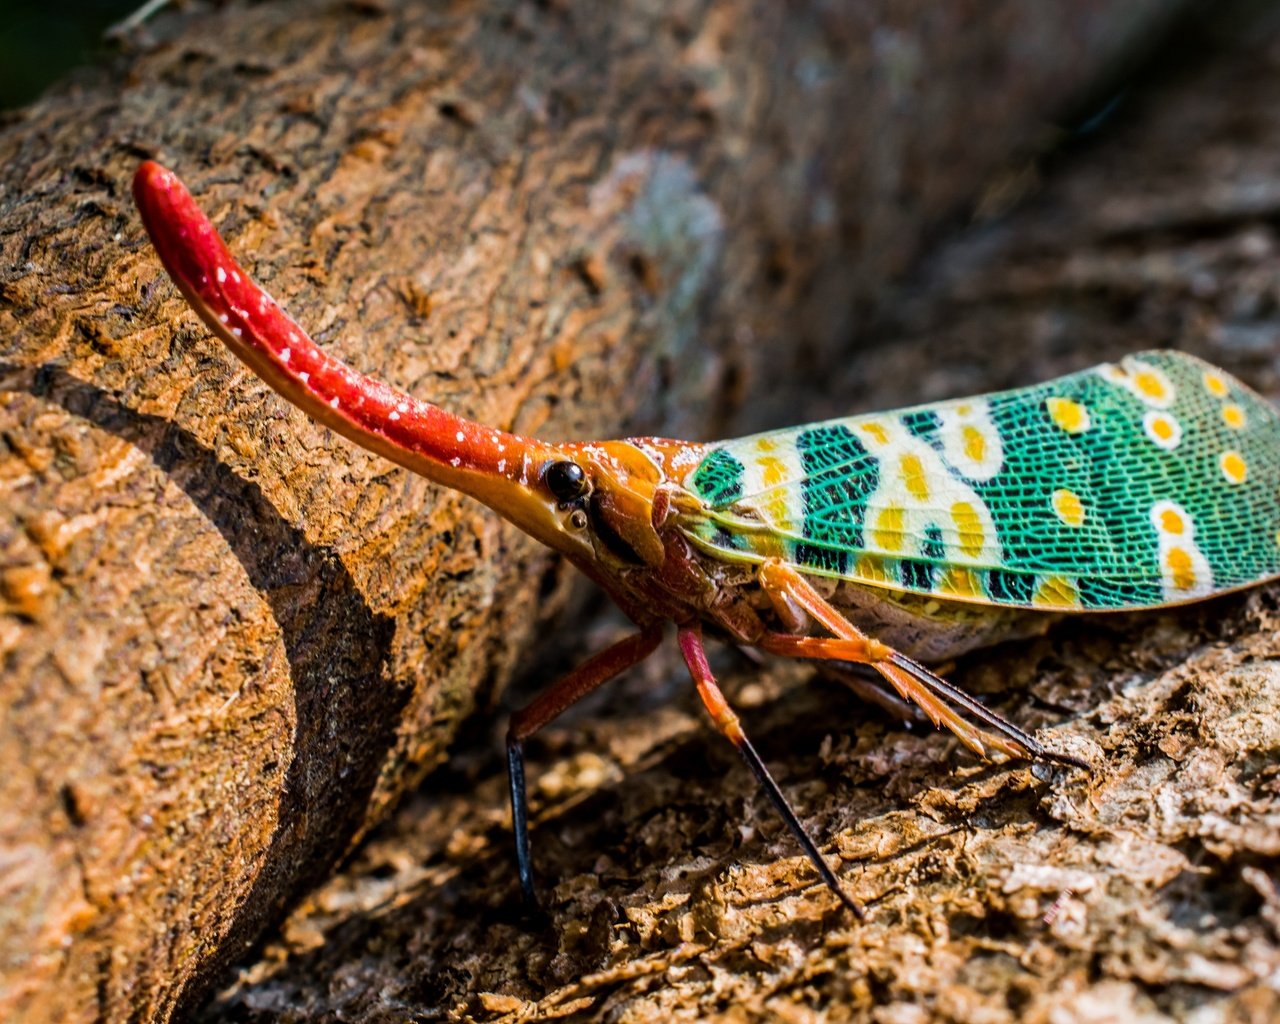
(565, 480)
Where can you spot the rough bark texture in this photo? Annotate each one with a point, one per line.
(229, 642)
(1146, 891)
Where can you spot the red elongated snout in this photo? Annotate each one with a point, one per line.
(505, 471)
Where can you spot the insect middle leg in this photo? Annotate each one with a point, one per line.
(726, 722)
(790, 593)
(591, 674)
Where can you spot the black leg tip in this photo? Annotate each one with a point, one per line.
(1065, 760)
(532, 914)
(853, 906)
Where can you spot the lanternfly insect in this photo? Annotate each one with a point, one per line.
(885, 540)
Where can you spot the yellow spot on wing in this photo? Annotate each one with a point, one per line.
(1233, 467)
(1068, 507)
(1067, 415)
(766, 444)
(1171, 522)
(975, 445)
(774, 470)
(913, 477)
(776, 510)
(875, 431)
(1152, 385)
(959, 582)
(766, 545)
(871, 568)
(887, 531)
(1056, 592)
(1162, 428)
(1215, 385)
(1182, 572)
(969, 527)
(1233, 416)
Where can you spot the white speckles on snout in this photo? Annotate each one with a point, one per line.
(222, 276)
(460, 436)
(285, 354)
(333, 402)
(304, 376)
(688, 458)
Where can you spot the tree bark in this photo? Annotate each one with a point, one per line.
(1145, 890)
(229, 641)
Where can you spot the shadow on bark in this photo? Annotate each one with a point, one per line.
(277, 558)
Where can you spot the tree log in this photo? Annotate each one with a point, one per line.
(1145, 890)
(229, 641)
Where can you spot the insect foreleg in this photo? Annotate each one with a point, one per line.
(549, 704)
(726, 721)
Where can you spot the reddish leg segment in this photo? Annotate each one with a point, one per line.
(596, 671)
(726, 721)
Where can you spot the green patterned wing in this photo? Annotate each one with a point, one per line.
(1150, 481)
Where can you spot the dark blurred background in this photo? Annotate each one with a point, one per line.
(41, 40)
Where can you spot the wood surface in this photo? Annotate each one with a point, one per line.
(1145, 891)
(230, 642)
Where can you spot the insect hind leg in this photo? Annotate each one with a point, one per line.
(944, 704)
(872, 688)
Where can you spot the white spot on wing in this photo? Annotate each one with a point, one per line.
(970, 440)
(1181, 560)
(1162, 429)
